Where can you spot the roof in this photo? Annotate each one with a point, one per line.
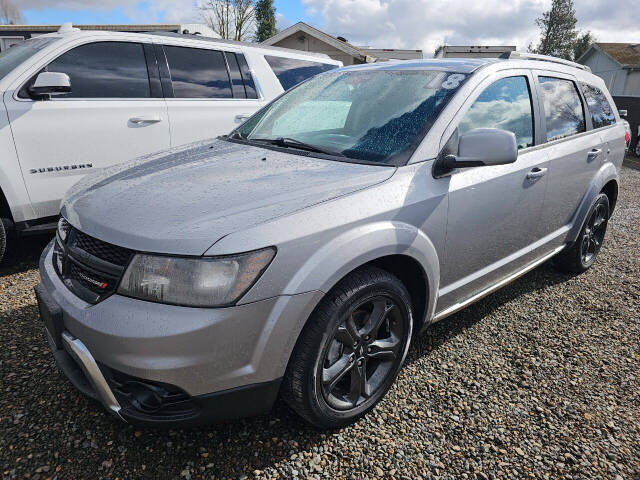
(625, 54)
(202, 38)
(120, 28)
(461, 65)
(319, 34)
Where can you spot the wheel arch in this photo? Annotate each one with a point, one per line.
(611, 190)
(5, 210)
(398, 248)
(605, 180)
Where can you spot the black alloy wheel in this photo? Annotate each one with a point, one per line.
(351, 349)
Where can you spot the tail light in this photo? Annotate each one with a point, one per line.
(627, 138)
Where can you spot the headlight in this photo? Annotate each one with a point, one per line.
(195, 282)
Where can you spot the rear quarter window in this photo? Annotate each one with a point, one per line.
(292, 71)
(599, 108)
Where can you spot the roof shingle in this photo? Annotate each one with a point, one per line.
(627, 54)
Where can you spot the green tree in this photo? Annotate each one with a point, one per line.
(265, 19)
(582, 44)
(558, 30)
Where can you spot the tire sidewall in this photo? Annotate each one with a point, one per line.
(601, 199)
(3, 241)
(316, 398)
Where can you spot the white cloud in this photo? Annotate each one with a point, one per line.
(426, 24)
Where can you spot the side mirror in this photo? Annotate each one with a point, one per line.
(483, 147)
(623, 113)
(51, 83)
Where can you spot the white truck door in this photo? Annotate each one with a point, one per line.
(208, 92)
(115, 112)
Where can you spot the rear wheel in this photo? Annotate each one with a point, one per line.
(351, 349)
(583, 253)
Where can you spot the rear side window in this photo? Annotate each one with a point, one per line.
(198, 73)
(105, 70)
(562, 107)
(599, 107)
(505, 104)
(291, 71)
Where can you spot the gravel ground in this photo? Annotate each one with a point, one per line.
(539, 380)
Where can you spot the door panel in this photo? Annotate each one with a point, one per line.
(494, 212)
(193, 120)
(59, 141)
(109, 117)
(573, 163)
(208, 95)
(575, 153)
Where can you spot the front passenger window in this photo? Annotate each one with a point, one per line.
(105, 70)
(505, 104)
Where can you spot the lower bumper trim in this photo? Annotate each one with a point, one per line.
(81, 354)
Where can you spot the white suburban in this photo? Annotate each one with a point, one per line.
(76, 101)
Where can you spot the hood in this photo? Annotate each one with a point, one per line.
(184, 200)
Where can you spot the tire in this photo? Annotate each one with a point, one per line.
(582, 254)
(3, 240)
(342, 364)
(637, 151)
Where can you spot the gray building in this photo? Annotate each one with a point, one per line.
(473, 51)
(302, 36)
(618, 64)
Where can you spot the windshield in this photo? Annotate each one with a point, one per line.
(14, 56)
(377, 116)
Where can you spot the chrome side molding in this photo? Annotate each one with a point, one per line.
(496, 286)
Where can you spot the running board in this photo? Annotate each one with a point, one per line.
(496, 286)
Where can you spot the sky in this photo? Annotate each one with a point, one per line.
(416, 24)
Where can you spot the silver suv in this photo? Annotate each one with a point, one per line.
(297, 256)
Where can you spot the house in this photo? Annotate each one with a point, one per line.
(13, 34)
(471, 51)
(302, 36)
(618, 64)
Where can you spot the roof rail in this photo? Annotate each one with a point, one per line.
(544, 58)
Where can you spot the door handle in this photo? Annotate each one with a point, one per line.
(242, 117)
(593, 154)
(537, 173)
(144, 120)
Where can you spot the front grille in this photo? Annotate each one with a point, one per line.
(96, 283)
(89, 267)
(103, 250)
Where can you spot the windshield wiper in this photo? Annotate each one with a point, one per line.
(293, 143)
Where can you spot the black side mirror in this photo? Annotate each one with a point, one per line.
(480, 147)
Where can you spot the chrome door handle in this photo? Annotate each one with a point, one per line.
(593, 154)
(242, 117)
(537, 173)
(144, 120)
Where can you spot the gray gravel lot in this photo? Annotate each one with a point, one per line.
(539, 380)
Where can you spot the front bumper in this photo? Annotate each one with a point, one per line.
(220, 363)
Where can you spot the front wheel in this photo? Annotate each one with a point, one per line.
(579, 257)
(351, 349)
